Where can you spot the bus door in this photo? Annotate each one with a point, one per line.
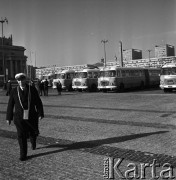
(147, 77)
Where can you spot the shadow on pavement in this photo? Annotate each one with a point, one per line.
(93, 143)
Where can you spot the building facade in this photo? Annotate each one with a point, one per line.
(164, 50)
(12, 59)
(132, 54)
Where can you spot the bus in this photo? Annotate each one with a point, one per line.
(65, 77)
(168, 77)
(120, 78)
(86, 80)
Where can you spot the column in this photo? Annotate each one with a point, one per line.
(16, 67)
(11, 69)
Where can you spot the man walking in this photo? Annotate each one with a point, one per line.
(28, 110)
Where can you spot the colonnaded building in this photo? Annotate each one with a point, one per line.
(12, 59)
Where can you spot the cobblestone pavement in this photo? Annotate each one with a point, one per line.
(81, 130)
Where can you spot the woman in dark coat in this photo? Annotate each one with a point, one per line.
(25, 97)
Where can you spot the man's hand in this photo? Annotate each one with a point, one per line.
(40, 117)
(8, 122)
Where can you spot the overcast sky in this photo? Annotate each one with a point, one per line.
(69, 32)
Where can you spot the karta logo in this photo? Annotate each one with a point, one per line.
(134, 171)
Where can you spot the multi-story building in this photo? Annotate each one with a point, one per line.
(31, 72)
(164, 50)
(12, 58)
(132, 54)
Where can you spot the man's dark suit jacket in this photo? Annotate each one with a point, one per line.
(35, 109)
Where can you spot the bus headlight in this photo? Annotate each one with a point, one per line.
(84, 83)
(161, 82)
(111, 84)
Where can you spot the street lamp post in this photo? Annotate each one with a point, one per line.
(149, 50)
(121, 53)
(104, 41)
(3, 20)
(35, 59)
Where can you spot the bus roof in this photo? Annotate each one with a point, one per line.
(169, 65)
(107, 68)
(46, 75)
(67, 71)
(125, 68)
(90, 70)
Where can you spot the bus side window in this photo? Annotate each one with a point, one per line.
(123, 73)
(140, 73)
(118, 73)
(136, 73)
(95, 74)
(127, 73)
(71, 76)
(132, 73)
(173, 71)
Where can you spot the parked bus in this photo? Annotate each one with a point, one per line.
(65, 77)
(168, 77)
(152, 76)
(86, 79)
(121, 78)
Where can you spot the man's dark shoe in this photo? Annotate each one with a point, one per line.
(33, 146)
(23, 158)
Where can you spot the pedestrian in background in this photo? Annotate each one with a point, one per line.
(9, 88)
(32, 83)
(59, 87)
(38, 86)
(46, 87)
(41, 88)
(28, 110)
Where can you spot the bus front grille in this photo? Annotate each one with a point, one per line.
(169, 81)
(77, 83)
(104, 83)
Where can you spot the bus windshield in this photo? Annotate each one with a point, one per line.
(58, 76)
(62, 76)
(81, 75)
(169, 71)
(101, 74)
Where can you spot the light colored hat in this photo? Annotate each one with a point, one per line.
(20, 75)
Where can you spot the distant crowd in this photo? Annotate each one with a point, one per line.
(40, 85)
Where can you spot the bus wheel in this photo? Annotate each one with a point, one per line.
(121, 87)
(167, 90)
(104, 90)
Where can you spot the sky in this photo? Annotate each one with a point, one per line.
(69, 32)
